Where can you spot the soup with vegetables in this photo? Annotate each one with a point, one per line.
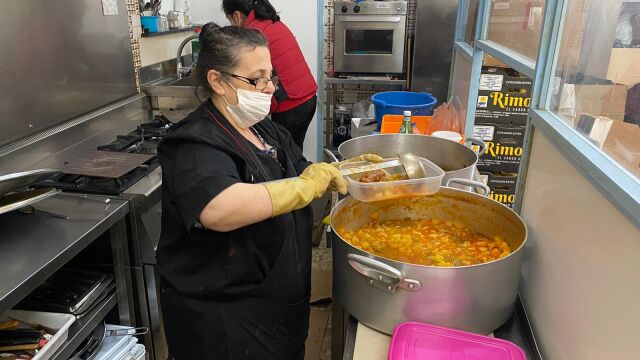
(426, 242)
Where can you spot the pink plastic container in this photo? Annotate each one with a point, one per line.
(414, 341)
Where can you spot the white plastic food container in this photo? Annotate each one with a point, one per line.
(58, 322)
(377, 191)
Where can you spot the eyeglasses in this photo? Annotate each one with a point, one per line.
(260, 83)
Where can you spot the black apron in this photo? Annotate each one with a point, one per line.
(270, 321)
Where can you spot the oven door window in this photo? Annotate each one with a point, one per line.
(368, 42)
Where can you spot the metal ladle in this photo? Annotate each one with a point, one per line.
(412, 166)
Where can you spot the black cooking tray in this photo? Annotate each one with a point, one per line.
(68, 291)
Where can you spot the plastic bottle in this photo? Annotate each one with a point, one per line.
(406, 127)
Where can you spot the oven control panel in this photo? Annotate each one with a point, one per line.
(371, 8)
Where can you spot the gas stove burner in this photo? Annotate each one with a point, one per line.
(143, 140)
(138, 140)
(99, 185)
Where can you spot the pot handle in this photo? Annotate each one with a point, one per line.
(474, 184)
(331, 155)
(482, 146)
(381, 275)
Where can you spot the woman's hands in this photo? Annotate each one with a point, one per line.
(295, 193)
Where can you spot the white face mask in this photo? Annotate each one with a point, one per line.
(253, 107)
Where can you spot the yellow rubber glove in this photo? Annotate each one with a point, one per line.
(364, 157)
(295, 193)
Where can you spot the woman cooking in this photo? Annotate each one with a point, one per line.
(235, 252)
(294, 102)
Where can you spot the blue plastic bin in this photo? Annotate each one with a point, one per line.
(151, 23)
(396, 102)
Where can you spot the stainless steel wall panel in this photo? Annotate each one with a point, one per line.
(433, 46)
(60, 59)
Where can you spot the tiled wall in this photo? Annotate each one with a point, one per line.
(163, 47)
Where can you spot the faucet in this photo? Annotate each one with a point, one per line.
(181, 70)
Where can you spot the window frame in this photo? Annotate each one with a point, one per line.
(616, 183)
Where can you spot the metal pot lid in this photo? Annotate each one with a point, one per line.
(12, 182)
(21, 199)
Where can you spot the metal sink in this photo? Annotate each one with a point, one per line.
(171, 86)
(172, 81)
(172, 92)
(186, 81)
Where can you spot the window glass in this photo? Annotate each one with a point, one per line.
(460, 87)
(472, 19)
(596, 88)
(517, 24)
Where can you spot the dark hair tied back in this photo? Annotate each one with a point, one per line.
(220, 49)
(262, 8)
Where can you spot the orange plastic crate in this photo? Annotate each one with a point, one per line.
(391, 123)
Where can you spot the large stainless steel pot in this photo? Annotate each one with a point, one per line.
(382, 293)
(457, 160)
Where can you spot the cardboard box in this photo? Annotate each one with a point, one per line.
(490, 61)
(624, 66)
(504, 96)
(623, 145)
(596, 100)
(503, 188)
(618, 139)
(517, 24)
(504, 146)
(573, 35)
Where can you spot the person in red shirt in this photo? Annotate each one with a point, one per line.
(294, 102)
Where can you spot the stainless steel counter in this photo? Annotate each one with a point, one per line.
(362, 342)
(34, 246)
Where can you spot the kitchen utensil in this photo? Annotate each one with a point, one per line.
(126, 332)
(5, 325)
(90, 348)
(457, 160)
(381, 292)
(15, 181)
(332, 157)
(21, 199)
(32, 210)
(120, 347)
(106, 164)
(94, 344)
(413, 341)
(58, 322)
(412, 165)
(12, 339)
(376, 191)
(365, 166)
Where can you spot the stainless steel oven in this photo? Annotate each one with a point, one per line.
(370, 36)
